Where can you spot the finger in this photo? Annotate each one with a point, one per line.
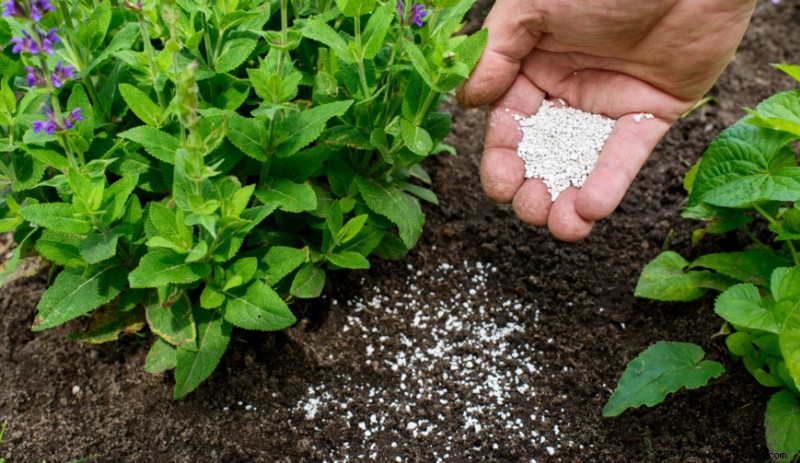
(564, 222)
(502, 170)
(532, 202)
(514, 29)
(623, 155)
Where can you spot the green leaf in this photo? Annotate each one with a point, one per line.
(141, 105)
(377, 27)
(258, 307)
(99, 246)
(85, 128)
(289, 196)
(234, 53)
(741, 305)
(747, 164)
(122, 40)
(782, 426)
(791, 70)
(162, 266)
(420, 192)
(789, 342)
(28, 172)
(351, 228)
(194, 365)
(400, 208)
(416, 138)
(348, 259)
(249, 135)
(60, 248)
(48, 157)
(301, 128)
(107, 323)
(76, 292)
(281, 261)
(778, 112)
(662, 369)
(158, 144)
(355, 8)
(173, 323)
(161, 357)
(748, 266)
(56, 216)
(664, 279)
(308, 282)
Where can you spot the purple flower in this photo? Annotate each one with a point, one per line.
(48, 40)
(13, 8)
(61, 74)
(414, 16)
(50, 124)
(49, 127)
(34, 77)
(74, 116)
(39, 8)
(25, 44)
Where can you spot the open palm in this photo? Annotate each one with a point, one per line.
(619, 58)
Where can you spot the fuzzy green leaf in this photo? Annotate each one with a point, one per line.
(782, 426)
(56, 216)
(281, 261)
(308, 282)
(403, 210)
(746, 164)
(258, 307)
(348, 259)
(377, 27)
(741, 305)
(416, 138)
(234, 53)
(76, 292)
(249, 135)
(122, 40)
(315, 29)
(301, 128)
(195, 364)
(162, 266)
(289, 196)
(662, 369)
(158, 144)
(664, 279)
(161, 357)
(141, 105)
(174, 324)
(355, 8)
(99, 246)
(60, 248)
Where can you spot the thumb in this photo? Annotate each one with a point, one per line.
(514, 30)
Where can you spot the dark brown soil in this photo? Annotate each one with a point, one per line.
(490, 342)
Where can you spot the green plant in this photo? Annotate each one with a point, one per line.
(213, 160)
(748, 172)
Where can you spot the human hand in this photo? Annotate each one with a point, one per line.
(618, 58)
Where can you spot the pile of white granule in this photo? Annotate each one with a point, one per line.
(560, 145)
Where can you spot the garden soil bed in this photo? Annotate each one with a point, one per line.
(491, 342)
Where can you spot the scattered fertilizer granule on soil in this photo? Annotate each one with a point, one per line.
(560, 145)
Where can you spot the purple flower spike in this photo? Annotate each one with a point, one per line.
(25, 44)
(48, 40)
(13, 8)
(61, 74)
(417, 13)
(75, 115)
(39, 8)
(34, 77)
(49, 127)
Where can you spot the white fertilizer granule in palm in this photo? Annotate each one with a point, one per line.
(560, 145)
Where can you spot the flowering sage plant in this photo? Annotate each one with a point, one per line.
(192, 167)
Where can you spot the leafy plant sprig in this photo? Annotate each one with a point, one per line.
(749, 173)
(215, 159)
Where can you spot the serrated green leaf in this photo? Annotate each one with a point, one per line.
(141, 105)
(348, 259)
(741, 305)
(48, 157)
(308, 282)
(234, 53)
(420, 192)
(163, 266)
(301, 128)
(76, 292)
(85, 128)
(60, 248)
(791, 70)
(244, 268)
(377, 27)
(257, 307)
(351, 228)
(782, 426)
(321, 32)
(56, 216)
(400, 208)
(747, 266)
(420, 64)
(28, 172)
(157, 143)
(779, 112)
(122, 40)
(194, 365)
(174, 323)
(99, 246)
(746, 164)
(662, 369)
(789, 341)
(281, 261)
(288, 196)
(355, 8)
(249, 135)
(210, 298)
(161, 357)
(108, 323)
(665, 279)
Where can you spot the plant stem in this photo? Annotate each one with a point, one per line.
(362, 75)
(151, 58)
(778, 226)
